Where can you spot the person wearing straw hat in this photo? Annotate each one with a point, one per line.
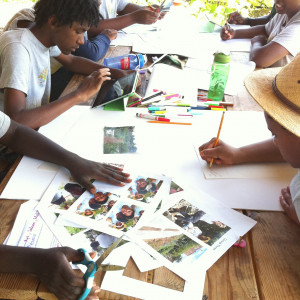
(277, 91)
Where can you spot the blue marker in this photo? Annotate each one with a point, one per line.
(153, 108)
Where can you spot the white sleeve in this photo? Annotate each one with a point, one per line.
(4, 123)
(54, 51)
(288, 37)
(15, 64)
(122, 4)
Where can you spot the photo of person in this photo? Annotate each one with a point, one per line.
(123, 216)
(96, 206)
(195, 221)
(119, 140)
(67, 194)
(99, 241)
(144, 189)
(169, 241)
(94, 241)
(175, 188)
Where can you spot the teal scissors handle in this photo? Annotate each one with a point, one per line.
(89, 273)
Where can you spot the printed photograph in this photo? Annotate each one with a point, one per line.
(203, 226)
(94, 241)
(170, 242)
(96, 206)
(66, 195)
(119, 140)
(175, 188)
(144, 189)
(124, 217)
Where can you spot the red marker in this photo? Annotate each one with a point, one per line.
(150, 117)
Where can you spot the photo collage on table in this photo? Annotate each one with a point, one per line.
(189, 232)
(117, 208)
(196, 222)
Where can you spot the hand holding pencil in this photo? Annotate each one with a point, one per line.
(218, 136)
(227, 33)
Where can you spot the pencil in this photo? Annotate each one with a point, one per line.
(217, 139)
(161, 122)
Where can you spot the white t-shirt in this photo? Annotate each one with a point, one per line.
(4, 123)
(295, 193)
(286, 34)
(109, 8)
(25, 66)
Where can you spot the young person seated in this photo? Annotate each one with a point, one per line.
(237, 18)
(277, 91)
(51, 266)
(94, 48)
(119, 14)
(276, 43)
(25, 61)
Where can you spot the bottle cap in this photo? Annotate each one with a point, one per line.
(142, 59)
(222, 57)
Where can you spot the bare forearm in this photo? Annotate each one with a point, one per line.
(250, 32)
(117, 23)
(264, 151)
(18, 259)
(80, 65)
(37, 117)
(29, 142)
(258, 21)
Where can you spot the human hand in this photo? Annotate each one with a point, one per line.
(227, 33)
(84, 170)
(146, 15)
(162, 15)
(110, 33)
(236, 18)
(93, 293)
(222, 154)
(260, 39)
(287, 204)
(54, 271)
(92, 84)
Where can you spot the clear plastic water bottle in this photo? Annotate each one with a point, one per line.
(126, 62)
(219, 75)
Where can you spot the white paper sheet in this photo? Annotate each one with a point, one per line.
(33, 176)
(30, 230)
(143, 290)
(190, 233)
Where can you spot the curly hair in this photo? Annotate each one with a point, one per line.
(67, 12)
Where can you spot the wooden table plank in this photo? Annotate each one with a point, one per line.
(276, 255)
(232, 276)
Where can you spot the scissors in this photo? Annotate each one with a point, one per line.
(94, 266)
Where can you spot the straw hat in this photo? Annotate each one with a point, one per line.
(277, 91)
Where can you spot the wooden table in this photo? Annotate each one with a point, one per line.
(267, 269)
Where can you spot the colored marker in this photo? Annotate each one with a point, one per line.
(159, 112)
(150, 117)
(177, 123)
(153, 108)
(201, 107)
(152, 96)
(219, 109)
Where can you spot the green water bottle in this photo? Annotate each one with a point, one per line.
(219, 74)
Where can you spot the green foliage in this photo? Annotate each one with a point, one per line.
(218, 10)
